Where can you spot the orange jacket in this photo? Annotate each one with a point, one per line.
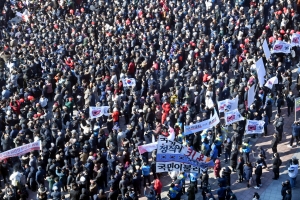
(166, 107)
(115, 116)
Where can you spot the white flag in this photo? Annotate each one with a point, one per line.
(254, 126)
(281, 47)
(228, 104)
(295, 40)
(251, 95)
(261, 71)
(270, 83)
(128, 82)
(98, 111)
(233, 116)
(266, 49)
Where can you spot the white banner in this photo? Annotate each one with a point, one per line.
(21, 150)
(261, 71)
(213, 121)
(128, 82)
(233, 116)
(270, 83)
(98, 111)
(152, 146)
(254, 126)
(281, 47)
(175, 166)
(228, 104)
(266, 49)
(295, 40)
(251, 95)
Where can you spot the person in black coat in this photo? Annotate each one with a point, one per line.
(288, 195)
(258, 173)
(276, 164)
(240, 168)
(290, 101)
(233, 159)
(279, 103)
(226, 174)
(285, 187)
(74, 193)
(274, 143)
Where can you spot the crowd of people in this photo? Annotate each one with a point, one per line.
(63, 56)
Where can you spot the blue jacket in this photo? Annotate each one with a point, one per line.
(173, 193)
(295, 130)
(246, 148)
(193, 177)
(213, 152)
(146, 170)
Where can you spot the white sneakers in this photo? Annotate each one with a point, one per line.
(289, 146)
(256, 187)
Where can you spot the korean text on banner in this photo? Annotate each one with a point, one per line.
(266, 49)
(297, 104)
(228, 104)
(202, 125)
(128, 82)
(254, 126)
(177, 166)
(21, 150)
(281, 47)
(295, 40)
(98, 111)
(271, 82)
(233, 116)
(251, 95)
(261, 71)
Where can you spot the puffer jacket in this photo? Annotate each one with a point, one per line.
(293, 171)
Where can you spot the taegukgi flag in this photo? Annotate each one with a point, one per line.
(228, 104)
(295, 40)
(98, 111)
(281, 47)
(233, 116)
(254, 126)
(270, 83)
(128, 82)
(297, 102)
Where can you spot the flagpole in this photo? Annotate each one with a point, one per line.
(295, 110)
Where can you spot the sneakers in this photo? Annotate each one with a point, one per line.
(256, 187)
(289, 146)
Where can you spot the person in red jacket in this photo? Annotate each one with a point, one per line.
(164, 117)
(69, 62)
(166, 107)
(15, 106)
(115, 115)
(131, 68)
(157, 188)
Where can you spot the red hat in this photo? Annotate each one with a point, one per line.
(282, 32)
(71, 11)
(280, 38)
(168, 27)
(82, 10)
(279, 12)
(245, 51)
(93, 23)
(56, 26)
(21, 100)
(242, 46)
(70, 99)
(271, 40)
(30, 98)
(247, 40)
(35, 116)
(267, 27)
(292, 32)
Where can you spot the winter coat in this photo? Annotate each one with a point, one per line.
(247, 172)
(217, 168)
